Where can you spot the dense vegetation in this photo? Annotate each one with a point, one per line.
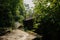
(46, 16)
(47, 13)
(10, 12)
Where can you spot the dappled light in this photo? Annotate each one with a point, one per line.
(29, 19)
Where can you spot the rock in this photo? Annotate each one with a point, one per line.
(17, 35)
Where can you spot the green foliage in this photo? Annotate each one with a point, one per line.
(47, 13)
(10, 11)
(47, 10)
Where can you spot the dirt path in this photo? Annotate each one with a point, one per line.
(17, 35)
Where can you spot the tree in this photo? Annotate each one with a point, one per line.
(48, 17)
(10, 11)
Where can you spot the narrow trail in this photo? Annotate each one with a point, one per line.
(17, 35)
